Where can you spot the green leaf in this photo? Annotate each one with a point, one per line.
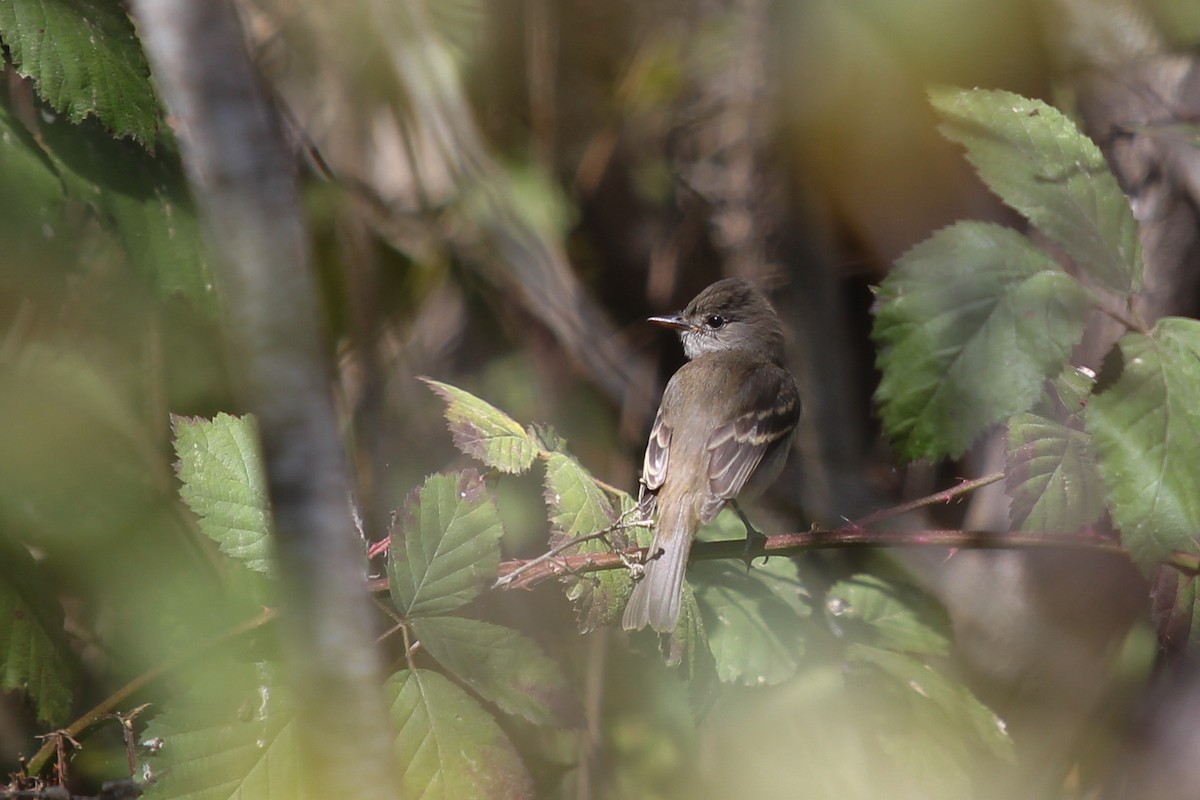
(142, 200)
(449, 747)
(1051, 474)
(1145, 426)
(85, 59)
(929, 693)
(484, 432)
(970, 323)
(445, 544)
(224, 483)
(502, 665)
(896, 615)
(31, 193)
(35, 656)
(255, 759)
(751, 618)
(578, 506)
(1039, 163)
(687, 648)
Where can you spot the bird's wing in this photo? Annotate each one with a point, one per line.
(654, 466)
(772, 407)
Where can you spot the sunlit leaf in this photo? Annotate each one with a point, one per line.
(1051, 474)
(224, 483)
(896, 615)
(970, 323)
(1145, 424)
(445, 544)
(1041, 164)
(502, 665)
(448, 747)
(578, 506)
(84, 58)
(484, 432)
(751, 618)
(35, 657)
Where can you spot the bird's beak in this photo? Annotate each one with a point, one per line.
(674, 321)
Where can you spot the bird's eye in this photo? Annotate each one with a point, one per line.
(714, 321)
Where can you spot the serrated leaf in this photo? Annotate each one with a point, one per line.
(449, 747)
(927, 689)
(85, 59)
(257, 759)
(1050, 473)
(578, 506)
(970, 323)
(225, 485)
(502, 665)
(35, 656)
(1041, 164)
(751, 618)
(896, 615)
(1145, 426)
(445, 544)
(484, 432)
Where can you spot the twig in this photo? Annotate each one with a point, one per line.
(944, 496)
(107, 706)
(507, 578)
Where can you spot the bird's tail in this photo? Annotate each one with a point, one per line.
(657, 597)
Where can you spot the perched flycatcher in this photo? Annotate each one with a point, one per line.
(723, 429)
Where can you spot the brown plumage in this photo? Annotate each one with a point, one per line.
(723, 429)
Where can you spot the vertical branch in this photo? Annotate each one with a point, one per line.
(243, 179)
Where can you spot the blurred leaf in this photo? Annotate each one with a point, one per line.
(688, 649)
(448, 746)
(1051, 472)
(751, 618)
(1039, 163)
(143, 200)
(31, 193)
(256, 759)
(76, 461)
(445, 544)
(85, 59)
(502, 665)
(578, 506)
(35, 656)
(484, 432)
(897, 615)
(928, 690)
(970, 323)
(1145, 426)
(225, 485)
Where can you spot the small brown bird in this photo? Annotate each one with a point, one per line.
(723, 429)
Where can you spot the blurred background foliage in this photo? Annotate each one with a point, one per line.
(499, 193)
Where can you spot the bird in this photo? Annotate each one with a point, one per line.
(723, 429)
